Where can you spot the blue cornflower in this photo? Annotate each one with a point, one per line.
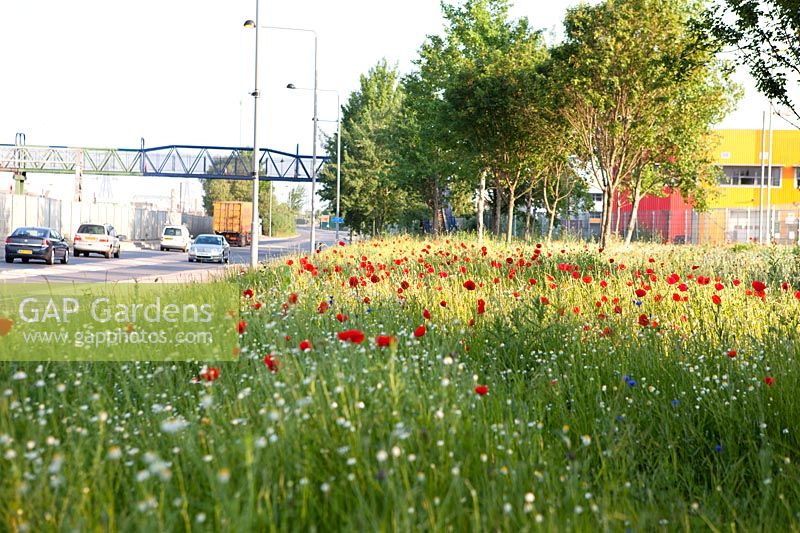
(637, 302)
(675, 403)
(718, 448)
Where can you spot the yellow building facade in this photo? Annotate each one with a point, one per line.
(739, 154)
(741, 206)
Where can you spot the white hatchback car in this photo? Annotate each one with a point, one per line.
(175, 238)
(96, 239)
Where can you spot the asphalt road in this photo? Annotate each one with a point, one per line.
(151, 265)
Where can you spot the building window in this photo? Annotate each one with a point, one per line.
(748, 176)
(597, 197)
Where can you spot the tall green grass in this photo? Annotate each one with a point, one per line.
(583, 428)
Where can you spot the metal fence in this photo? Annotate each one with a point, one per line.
(715, 226)
(136, 223)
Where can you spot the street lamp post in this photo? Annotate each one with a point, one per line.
(250, 24)
(255, 231)
(338, 147)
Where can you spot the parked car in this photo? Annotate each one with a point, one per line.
(44, 244)
(209, 247)
(96, 239)
(175, 238)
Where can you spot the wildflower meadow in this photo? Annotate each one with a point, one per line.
(445, 384)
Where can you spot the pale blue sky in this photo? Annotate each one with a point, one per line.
(106, 73)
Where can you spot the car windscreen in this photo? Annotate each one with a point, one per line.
(207, 239)
(172, 231)
(33, 233)
(92, 229)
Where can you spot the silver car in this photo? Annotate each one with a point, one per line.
(208, 247)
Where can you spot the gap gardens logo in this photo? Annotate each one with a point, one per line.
(122, 322)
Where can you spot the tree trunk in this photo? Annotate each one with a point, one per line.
(528, 215)
(481, 205)
(511, 200)
(619, 218)
(637, 197)
(435, 229)
(552, 220)
(498, 208)
(605, 225)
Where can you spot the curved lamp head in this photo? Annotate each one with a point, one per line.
(291, 86)
(249, 24)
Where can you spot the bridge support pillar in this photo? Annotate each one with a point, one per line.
(19, 182)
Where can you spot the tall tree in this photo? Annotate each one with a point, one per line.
(297, 196)
(628, 69)
(370, 196)
(766, 37)
(491, 93)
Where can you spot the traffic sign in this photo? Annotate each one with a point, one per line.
(337, 220)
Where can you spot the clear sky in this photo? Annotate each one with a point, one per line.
(107, 73)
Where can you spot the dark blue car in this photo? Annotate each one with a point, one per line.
(44, 244)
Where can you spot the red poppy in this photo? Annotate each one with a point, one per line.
(385, 340)
(210, 374)
(323, 306)
(241, 327)
(426, 314)
(420, 331)
(341, 318)
(769, 380)
(305, 345)
(716, 299)
(352, 335)
(272, 363)
(247, 293)
(257, 306)
(481, 390)
(731, 353)
(293, 298)
(353, 282)
(758, 286)
(640, 293)
(643, 320)
(481, 306)
(469, 285)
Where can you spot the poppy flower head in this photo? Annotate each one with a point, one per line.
(420, 331)
(272, 363)
(209, 374)
(769, 380)
(469, 285)
(247, 293)
(352, 335)
(481, 390)
(384, 341)
(241, 327)
(758, 286)
(305, 345)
